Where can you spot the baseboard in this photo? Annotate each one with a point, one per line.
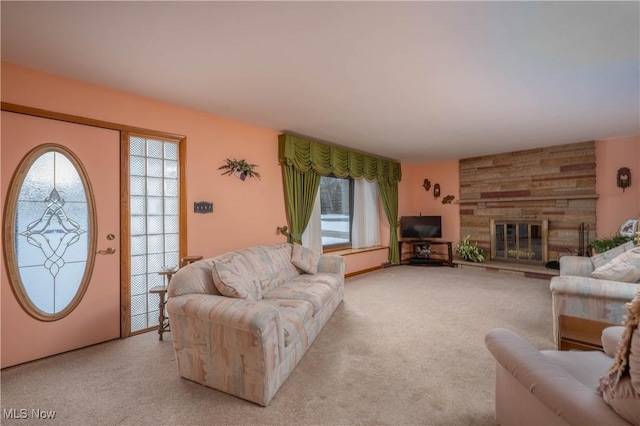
(363, 271)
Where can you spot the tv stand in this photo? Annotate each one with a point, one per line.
(422, 255)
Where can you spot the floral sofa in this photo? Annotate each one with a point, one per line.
(241, 321)
(596, 287)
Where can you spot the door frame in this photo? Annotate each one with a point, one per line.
(125, 130)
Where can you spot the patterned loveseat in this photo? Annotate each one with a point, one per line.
(241, 321)
(577, 293)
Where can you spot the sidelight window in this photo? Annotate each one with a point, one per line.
(154, 222)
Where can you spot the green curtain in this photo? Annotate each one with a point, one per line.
(389, 196)
(304, 161)
(300, 192)
(306, 155)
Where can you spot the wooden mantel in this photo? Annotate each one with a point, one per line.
(530, 198)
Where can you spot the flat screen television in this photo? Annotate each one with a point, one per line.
(421, 227)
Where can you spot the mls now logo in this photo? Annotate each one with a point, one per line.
(15, 413)
(23, 413)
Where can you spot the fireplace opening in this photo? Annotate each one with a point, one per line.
(523, 241)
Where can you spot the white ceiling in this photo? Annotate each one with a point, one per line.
(413, 81)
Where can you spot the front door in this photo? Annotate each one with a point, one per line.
(96, 317)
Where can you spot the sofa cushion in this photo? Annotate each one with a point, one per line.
(233, 276)
(585, 366)
(332, 280)
(305, 259)
(317, 294)
(602, 258)
(624, 267)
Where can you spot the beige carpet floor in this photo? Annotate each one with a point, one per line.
(405, 347)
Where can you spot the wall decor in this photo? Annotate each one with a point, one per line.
(448, 199)
(239, 168)
(623, 178)
(426, 184)
(202, 207)
(436, 190)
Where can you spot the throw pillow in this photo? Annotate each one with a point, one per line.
(305, 259)
(233, 278)
(620, 386)
(625, 267)
(602, 258)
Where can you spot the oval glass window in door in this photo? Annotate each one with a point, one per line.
(50, 223)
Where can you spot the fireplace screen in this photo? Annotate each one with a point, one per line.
(519, 241)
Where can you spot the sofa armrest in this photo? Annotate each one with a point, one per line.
(233, 345)
(576, 265)
(594, 287)
(611, 337)
(194, 278)
(331, 263)
(551, 385)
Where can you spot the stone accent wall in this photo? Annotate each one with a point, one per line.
(556, 183)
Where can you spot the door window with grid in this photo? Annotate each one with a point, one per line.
(154, 222)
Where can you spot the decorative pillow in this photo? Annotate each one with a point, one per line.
(625, 267)
(602, 258)
(624, 400)
(305, 259)
(620, 385)
(233, 278)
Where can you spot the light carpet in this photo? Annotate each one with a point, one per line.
(406, 346)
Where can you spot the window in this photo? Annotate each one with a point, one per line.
(155, 240)
(50, 227)
(336, 211)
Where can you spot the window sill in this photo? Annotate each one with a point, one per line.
(349, 251)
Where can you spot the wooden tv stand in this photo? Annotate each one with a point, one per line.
(421, 251)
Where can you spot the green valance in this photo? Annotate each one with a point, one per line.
(304, 154)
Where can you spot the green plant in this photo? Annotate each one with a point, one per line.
(603, 244)
(470, 251)
(239, 168)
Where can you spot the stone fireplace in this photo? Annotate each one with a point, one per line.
(525, 192)
(519, 241)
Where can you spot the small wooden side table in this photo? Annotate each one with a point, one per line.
(161, 291)
(189, 259)
(580, 333)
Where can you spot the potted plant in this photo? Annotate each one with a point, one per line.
(239, 168)
(603, 244)
(470, 251)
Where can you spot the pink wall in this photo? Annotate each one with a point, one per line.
(614, 206)
(245, 213)
(416, 200)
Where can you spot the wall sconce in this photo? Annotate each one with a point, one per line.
(624, 178)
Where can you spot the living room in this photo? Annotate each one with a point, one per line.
(248, 213)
